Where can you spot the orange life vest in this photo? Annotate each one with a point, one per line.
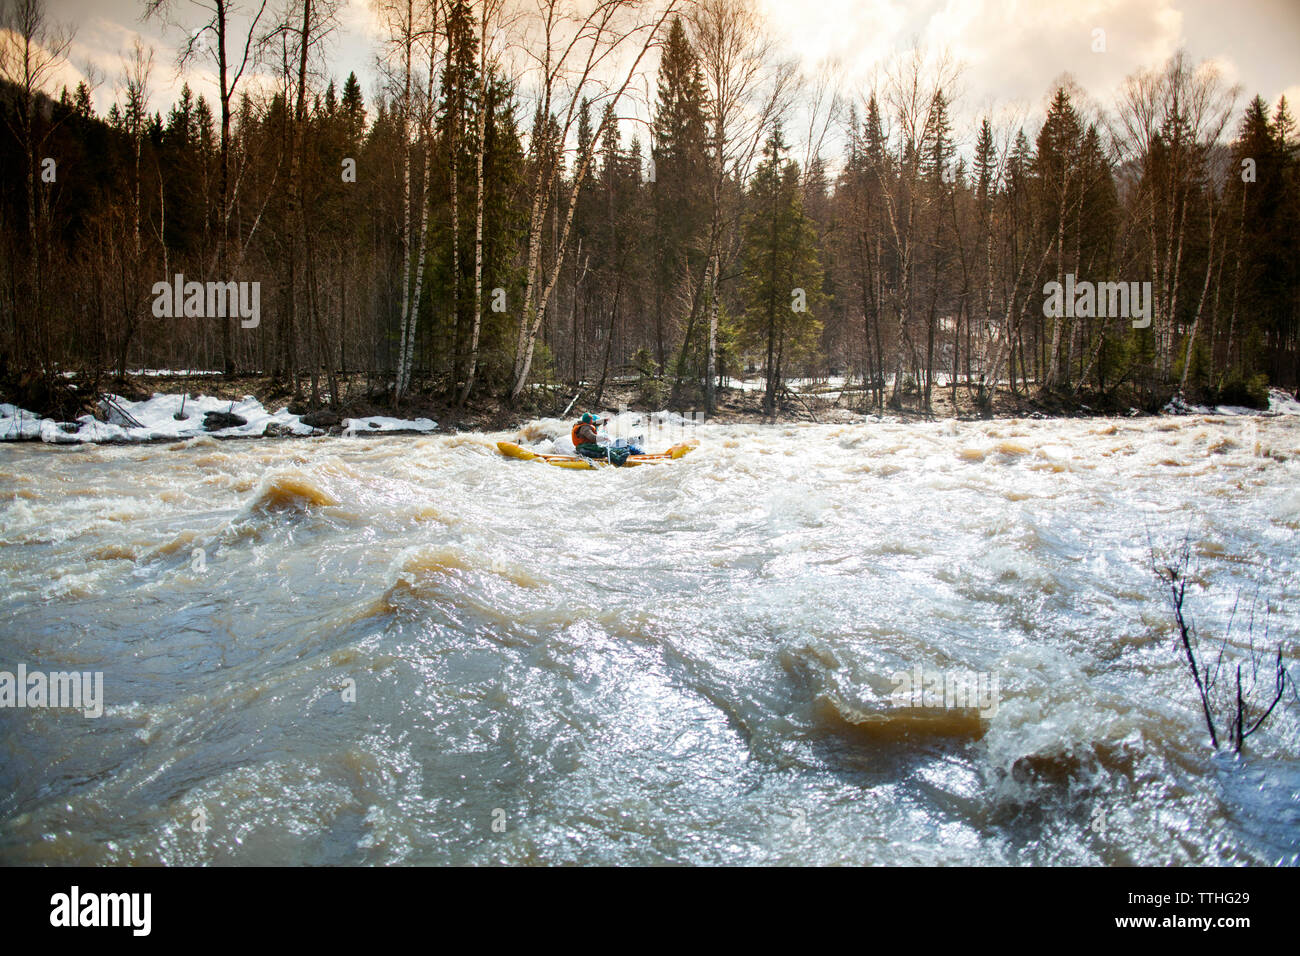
(579, 439)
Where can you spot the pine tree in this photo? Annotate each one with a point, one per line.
(1256, 194)
(783, 276)
(679, 157)
(1056, 171)
(939, 172)
(986, 186)
(354, 108)
(82, 101)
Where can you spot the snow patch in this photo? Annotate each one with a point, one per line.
(1283, 403)
(165, 417)
(1280, 402)
(378, 425)
(17, 424)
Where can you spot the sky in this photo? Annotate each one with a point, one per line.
(1011, 51)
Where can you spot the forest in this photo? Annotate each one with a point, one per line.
(498, 221)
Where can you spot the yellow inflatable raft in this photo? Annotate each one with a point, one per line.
(511, 450)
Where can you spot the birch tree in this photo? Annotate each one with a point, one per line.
(1168, 120)
(489, 22)
(412, 31)
(576, 50)
(911, 94)
(748, 91)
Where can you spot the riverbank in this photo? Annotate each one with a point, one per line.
(158, 406)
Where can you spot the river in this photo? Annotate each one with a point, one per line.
(415, 651)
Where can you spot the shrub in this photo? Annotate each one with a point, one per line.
(1240, 389)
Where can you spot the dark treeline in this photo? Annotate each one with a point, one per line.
(484, 225)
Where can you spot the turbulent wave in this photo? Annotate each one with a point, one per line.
(290, 491)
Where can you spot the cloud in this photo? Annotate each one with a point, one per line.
(853, 32)
(360, 20)
(54, 75)
(98, 56)
(1292, 94)
(1012, 50)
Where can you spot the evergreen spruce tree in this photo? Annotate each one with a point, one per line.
(680, 164)
(783, 275)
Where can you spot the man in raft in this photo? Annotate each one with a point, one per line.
(587, 443)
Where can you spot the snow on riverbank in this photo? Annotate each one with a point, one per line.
(170, 417)
(378, 424)
(1279, 403)
(160, 419)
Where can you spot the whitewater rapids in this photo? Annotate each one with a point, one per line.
(415, 651)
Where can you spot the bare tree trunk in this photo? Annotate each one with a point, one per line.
(483, 106)
(225, 91)
(427, 134)
(1205, 290)
(1052, 378)
(411, 297)
(1172, 317)
(453, 141)
(297, 218)
(407, 41)
(1236, 287)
